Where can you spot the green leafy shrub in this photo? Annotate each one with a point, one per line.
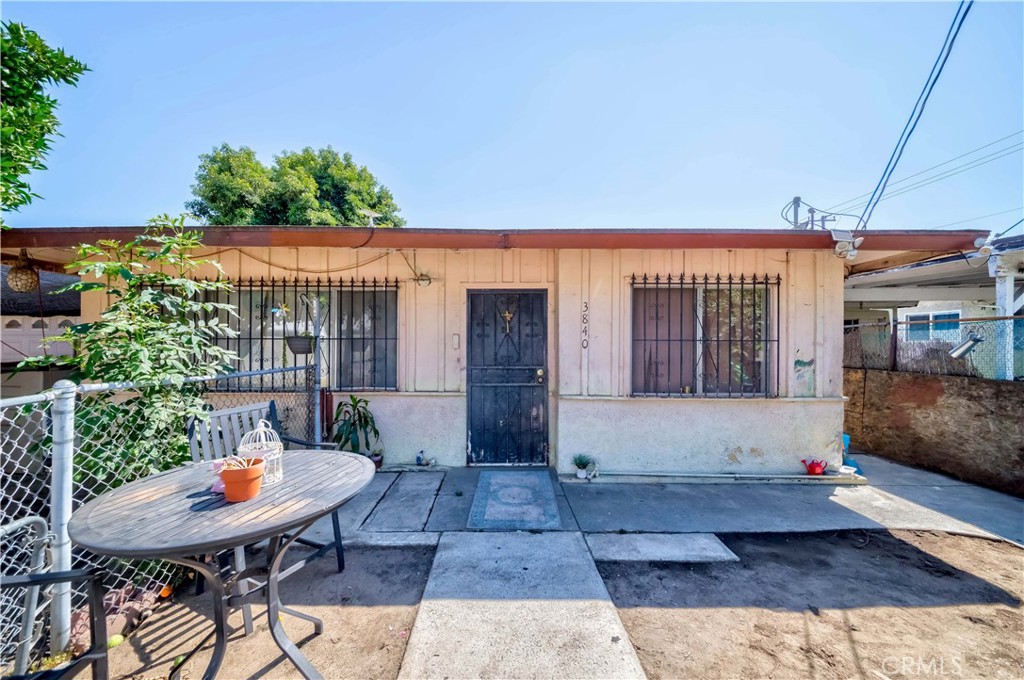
(158, 329)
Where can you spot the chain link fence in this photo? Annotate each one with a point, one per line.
(985, 348)
(51, 469)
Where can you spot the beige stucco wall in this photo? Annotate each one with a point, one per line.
(700, 436)
(409, 422)
(429, 412)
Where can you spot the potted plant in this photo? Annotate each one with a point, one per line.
(301, 344)
(582, 462)
(242, 478)
(354, 426)
(377, 457)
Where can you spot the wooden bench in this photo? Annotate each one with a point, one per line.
(219, 436)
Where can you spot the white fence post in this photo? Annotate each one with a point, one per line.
(63, 413)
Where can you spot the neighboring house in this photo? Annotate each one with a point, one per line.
(937, 301)
(27, 318)
(657, 352)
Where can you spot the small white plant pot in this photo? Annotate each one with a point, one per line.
(581, 474)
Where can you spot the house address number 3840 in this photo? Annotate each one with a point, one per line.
(585, 325)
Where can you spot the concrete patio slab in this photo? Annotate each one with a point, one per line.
(450, 512)
(517, 605)
(406, 506)
(460, 481)
(733, 508)
(355, 512)
(991, 511)
(883, 472)
(684, 548)
(392, 539)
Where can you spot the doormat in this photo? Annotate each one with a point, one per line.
(514, 501)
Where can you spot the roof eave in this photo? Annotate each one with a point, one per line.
(445, 239)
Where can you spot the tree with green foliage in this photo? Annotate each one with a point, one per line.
(28, 120)
(158, 330)
(314, 187)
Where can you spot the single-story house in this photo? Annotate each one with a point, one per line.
(669, 352)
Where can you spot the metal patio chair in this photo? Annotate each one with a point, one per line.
(34, 581)
(219, 437)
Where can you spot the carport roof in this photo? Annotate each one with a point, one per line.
(963, 276)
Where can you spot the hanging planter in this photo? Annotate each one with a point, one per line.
(300, 344)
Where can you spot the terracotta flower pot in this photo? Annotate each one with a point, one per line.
(242, 484)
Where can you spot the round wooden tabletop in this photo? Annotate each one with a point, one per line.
(174, 513)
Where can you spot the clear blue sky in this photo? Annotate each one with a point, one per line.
(541, 115)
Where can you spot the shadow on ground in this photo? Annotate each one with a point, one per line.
(993, 511)
(368, 612)
(848, 604)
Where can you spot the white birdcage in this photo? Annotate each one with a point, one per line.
(264, 443)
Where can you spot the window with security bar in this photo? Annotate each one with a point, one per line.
(357, 321)
(711, 336)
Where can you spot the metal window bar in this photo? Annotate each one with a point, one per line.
(703, 336)
(357, 337)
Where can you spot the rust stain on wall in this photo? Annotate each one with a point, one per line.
(918, 390)
(910, 394)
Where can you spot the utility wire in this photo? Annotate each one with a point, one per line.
(915, 116)
(979, 217)
(955, 158)
(944, 175)
(1007, 230)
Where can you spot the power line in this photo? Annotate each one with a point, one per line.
(980, 217)
(977, 163)
(921, 172)
(1007, 230)
(918, 111)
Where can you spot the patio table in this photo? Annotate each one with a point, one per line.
(174, 516)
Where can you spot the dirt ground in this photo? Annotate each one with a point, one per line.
(380, 591)
(857, 604)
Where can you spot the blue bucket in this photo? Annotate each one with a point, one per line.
(846, 455)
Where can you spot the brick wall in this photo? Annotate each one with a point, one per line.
(970, 428)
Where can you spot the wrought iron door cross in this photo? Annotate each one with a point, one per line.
(507, 316)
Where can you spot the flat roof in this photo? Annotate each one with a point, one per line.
(934, 242)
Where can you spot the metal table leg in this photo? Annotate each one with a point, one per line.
(220, 619)
(276, 551)
(270, 590)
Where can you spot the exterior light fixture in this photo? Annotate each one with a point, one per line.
(984, 245)
(371, 214)
(423, 279)
(846, 243)
(965, 347)
(23, 277)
